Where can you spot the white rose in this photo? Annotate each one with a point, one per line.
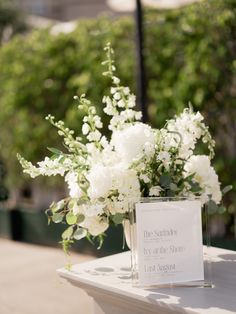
(130, 142)
(100, 181)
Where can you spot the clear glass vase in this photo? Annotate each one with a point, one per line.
(165, 236)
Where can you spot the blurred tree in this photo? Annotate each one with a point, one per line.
(11, 21)
(3, 190)
(190, 55)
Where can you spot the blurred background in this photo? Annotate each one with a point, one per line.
(51, 50)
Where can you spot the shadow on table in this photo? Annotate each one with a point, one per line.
(222, 296)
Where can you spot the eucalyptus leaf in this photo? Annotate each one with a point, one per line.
(117, 218)
(165, 181)
(54, 150)
(71, 219)
(173, 187)
(195, 187)
(212, 207)
(227, 189)
(80, 233)
(80, 218)
(67, 234)
(57, 217)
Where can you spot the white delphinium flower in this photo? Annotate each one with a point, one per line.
(94, 136)
(47, 167)
(100, 181)
(130, 142)
(205, 176)
(72, 180)
(85, 128)
(51, 167)
(95, 224)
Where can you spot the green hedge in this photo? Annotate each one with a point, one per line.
(190, 55)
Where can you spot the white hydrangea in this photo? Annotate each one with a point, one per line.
(129, 143)
(100, 181)
(205, 176)
(91, 209)
(95, 224)
(126, 182)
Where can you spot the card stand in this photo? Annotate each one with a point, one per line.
(138, 259)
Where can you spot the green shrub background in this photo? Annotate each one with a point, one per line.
(190, 55)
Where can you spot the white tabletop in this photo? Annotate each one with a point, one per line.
(111, 275)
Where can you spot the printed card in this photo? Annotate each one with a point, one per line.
(169, 242)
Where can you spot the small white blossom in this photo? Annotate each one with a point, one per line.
(155, 190)
(85, 128)
(94, 136)
(117, 96)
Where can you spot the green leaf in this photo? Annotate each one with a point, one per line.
(227, 189)
(173, 187)
(165, 181)
(71, 219)
(80, 218)
(56, 207)
(212, 207)
(67, 234)
(195, 187)
(170, 193)
(88, 237)
(100, 241)
(117, 218)
(54, 150)
(57, 217)
(80, 233)
(66, 245)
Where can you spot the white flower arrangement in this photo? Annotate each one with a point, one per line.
(105, 174)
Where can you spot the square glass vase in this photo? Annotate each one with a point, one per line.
(169, 242)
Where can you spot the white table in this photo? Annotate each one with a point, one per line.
(107, 280)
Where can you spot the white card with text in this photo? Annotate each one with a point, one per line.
(169, 242)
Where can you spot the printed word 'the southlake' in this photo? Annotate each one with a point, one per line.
(159, 233)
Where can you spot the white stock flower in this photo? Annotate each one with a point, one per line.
(100, 181)
(205, 176)
(130, 142)
(189, 126)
